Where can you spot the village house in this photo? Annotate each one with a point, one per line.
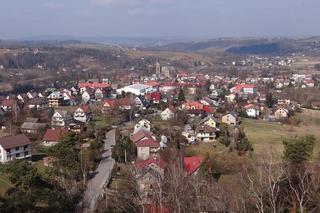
(15, 147)
(210, 120)
(32, 127)
(37, 103)
(243, 88)
(141, 102)
(53, 136)
(110, 105)
(82, 114)
(167, 114)
(206, 133)
(142, 134)
(9, 105)
(252, 110)
(143, 123)
(147, 148)
(137, 89)
(55, 99)
(230, 118)
(60, 118)
(281, 113)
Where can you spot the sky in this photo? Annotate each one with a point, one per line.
(159, 18)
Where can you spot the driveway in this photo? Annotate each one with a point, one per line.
(95, 185)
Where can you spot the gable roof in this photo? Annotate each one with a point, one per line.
(54, 134)
(148, 143)
(140, 134)
(192, 164)
(14, 141)
(157, 161)
(8, 102)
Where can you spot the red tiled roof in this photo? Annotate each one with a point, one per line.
(239, 87)
(148, 143)
(142, 133)
(85, 108)
(251, 106)
(54, 134)
(158, 161)
(195, 104)
(153, 83)
(192, 164)
(156, 96)
(7, 102)
(112, 103)
(14, 141)
(208, 109)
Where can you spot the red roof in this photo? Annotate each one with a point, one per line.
(94, 85)
(7, 103)
(54, 134)
(251, 106)
(142, 133)
(240, 87)
(148, 143)
(157, 161)
(194, 104)
(192, 164)
(112, 103)
(155, 96)
(85, 108)
(207, 109)
(14, 141)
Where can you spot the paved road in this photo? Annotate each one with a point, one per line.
(95, 185)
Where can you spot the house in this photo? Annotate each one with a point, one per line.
(141, 134)
(76, 126)
(111, 105)
(53, 136)
(9, 105)
(206, 133)
(86, 96)
(230, 118)
(210, 120)
(98, 94)
(55, 99)
(243, 88)
(32, 127)
(192, 164)
(143, 123)
(252, 110)
(156, 164)
(154, 97)
(37, 103)
(60, 118)
(147, 148)
(141, 102)
(82, 114)
(15, 147)
(230, 98)
(281, 113)
(167, 114)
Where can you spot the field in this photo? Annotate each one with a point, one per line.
(4, 184)
(269, 136)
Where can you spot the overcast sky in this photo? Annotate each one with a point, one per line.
(159, 18)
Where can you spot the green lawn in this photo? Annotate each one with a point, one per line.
(267, 136)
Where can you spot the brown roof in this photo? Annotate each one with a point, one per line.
(142, 133)
(54, 134)
(14, 141)
(148, 143)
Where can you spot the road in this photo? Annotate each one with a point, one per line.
(95, 185)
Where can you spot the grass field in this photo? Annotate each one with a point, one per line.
(4, 184)
(269, 136)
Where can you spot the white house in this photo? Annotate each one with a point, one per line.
(252, 110)
(55, 99)
(85, 97)
(15, 147)
(147, 148)
(60, 118)
(143, 123)
(167, 114)
(82, 114)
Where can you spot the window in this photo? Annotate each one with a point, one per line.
(17, 155)
(17, 148)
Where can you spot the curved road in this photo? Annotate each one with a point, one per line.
(95, 185)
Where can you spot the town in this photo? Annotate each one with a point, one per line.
(169, 137)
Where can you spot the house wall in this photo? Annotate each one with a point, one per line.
(20, 152)
(143, 153)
